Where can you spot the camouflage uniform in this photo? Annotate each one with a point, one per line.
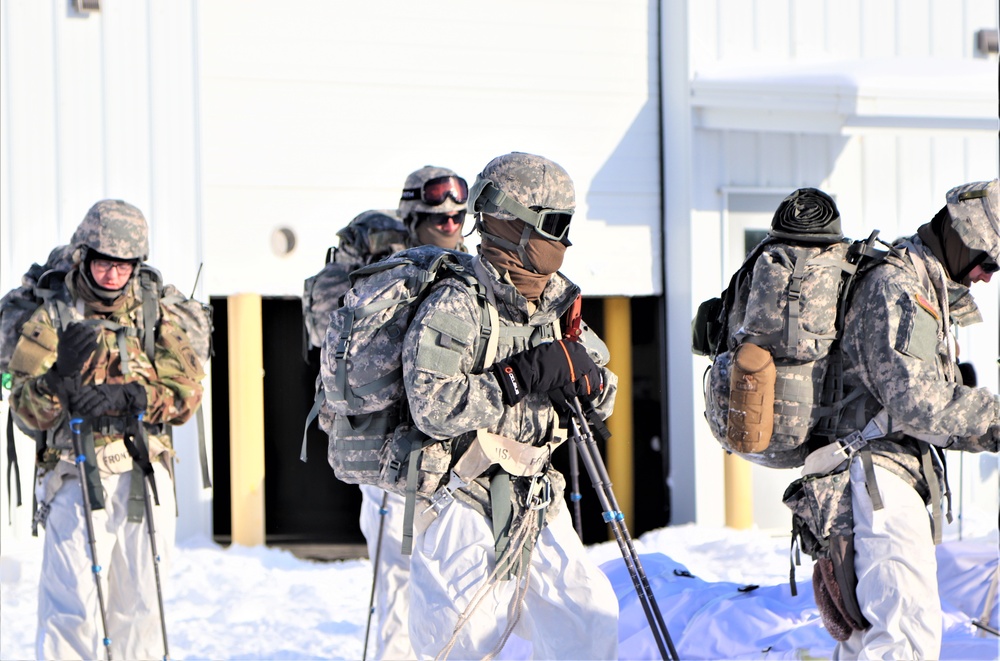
(68, 616)
(371, 237)
(570, 610)
(900, 355)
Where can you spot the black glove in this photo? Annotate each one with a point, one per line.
(120, 398)
(76, 344)
(560, 365)
(968, 372)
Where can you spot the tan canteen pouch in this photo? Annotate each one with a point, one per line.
(751, 399)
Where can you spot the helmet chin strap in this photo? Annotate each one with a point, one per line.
(522, 254)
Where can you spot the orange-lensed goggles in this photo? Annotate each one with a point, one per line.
(437, 190)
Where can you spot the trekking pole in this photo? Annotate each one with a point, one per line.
(382, 512)
(574, 495)
(594, 463)
(148, 482)
(81, 458)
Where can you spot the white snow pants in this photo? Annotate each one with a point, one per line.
(69, 618)
(392, 583)
(570, 610)
(895, 562)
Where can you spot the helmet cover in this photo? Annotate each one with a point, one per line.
(533, 181)
(975, 216)
(114, 228)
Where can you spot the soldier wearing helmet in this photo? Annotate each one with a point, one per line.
(468, 541)
(110, 242)
(432, 205)
(900, 362)
(86, 354)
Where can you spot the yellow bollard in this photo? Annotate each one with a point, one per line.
(739, 492)
(246, 419)
(618, 337)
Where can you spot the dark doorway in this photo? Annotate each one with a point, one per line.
(650, 462)
(304, 502)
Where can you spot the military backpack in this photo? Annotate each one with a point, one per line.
(362, 403)
(774, 386)
(369, 237)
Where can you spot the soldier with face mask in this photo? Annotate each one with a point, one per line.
(900, 369)
(82, 355)
(495, 557)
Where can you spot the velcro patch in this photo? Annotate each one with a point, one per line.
(927, 306)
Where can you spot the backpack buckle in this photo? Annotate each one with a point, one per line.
(446, 495)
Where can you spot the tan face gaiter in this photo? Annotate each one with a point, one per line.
(545, 256)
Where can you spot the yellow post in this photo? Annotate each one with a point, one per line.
(618, 337)
(246, 418)
(739, 492)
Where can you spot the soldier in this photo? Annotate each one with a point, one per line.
(506, 521)
(81, 355)
(432, 207)
(900, 357)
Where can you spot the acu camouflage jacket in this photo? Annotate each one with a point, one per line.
(172, 380)
(449, 400)
(896, 349)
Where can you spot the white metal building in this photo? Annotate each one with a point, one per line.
(250, 131)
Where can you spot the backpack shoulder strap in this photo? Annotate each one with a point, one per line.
(149, 283)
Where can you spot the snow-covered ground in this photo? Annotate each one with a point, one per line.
(264, 603)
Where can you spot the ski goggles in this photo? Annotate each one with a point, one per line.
(553, 224)
(435, 191)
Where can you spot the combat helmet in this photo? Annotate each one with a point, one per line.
(974, 209)
(115, 229)
(529, 188)
(432, 189)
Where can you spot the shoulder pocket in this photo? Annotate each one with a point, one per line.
(917, 334)
(37, 343)
(442, 350)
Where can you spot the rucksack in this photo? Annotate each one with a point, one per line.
(362, 403)
(369, 237)
(42, 283)
(39, 283)
(788, 298)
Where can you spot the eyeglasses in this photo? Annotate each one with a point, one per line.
(435, 191)
(989, 267)
(440, 219)
(553, 224)
(105, 265)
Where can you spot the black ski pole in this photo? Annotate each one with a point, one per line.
(574, 495)
(382, 512)
(81, 458)
(149, 481)
(591, 455)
